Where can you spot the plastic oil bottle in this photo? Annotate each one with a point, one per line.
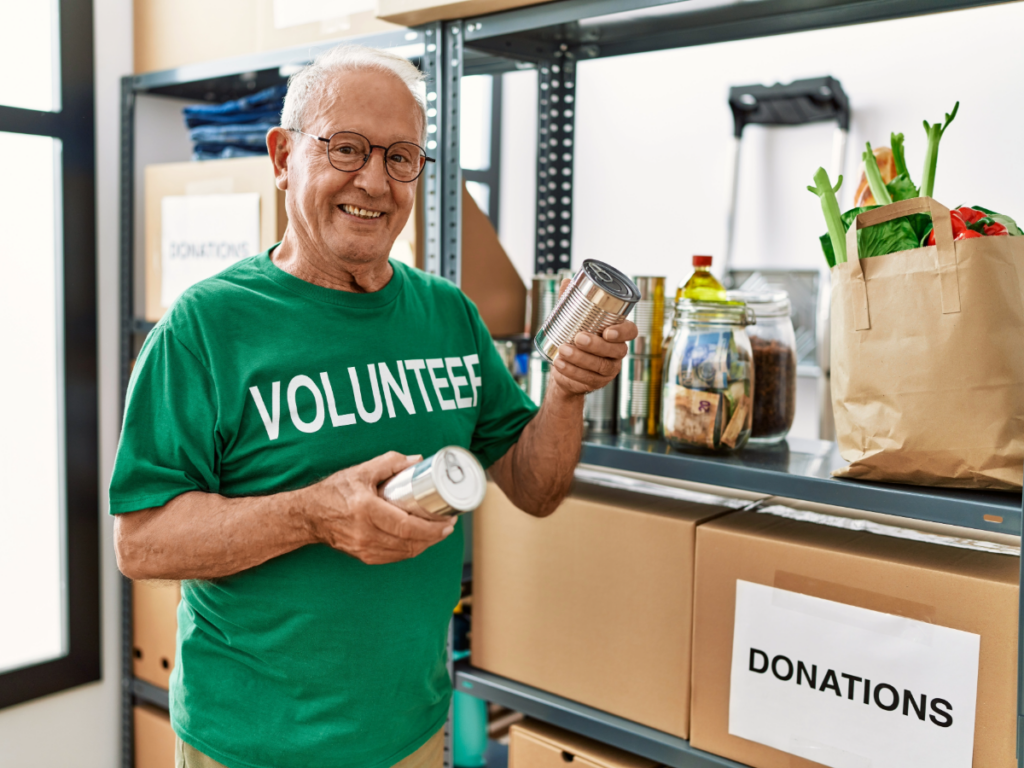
(702, 285)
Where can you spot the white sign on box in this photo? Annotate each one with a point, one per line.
(202, 235)
(850, 688)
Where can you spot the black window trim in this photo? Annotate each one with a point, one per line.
(74, 125)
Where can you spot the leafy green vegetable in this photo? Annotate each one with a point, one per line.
(899, 158)
(890, 237)
(901, 188)
(899, 235)
(1011, 226)
(830, 207)
(931, 157)
(878, 189)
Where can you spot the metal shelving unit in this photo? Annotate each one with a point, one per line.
(554, 37)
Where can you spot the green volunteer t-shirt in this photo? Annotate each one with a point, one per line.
(257, 382)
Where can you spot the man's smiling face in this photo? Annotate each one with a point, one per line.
(356, 216)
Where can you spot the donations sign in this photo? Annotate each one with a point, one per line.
(850, 688)
(200, 235)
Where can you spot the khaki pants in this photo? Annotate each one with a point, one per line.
(430, 755)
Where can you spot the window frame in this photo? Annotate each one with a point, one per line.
(74, 125)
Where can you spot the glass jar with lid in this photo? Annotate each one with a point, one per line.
(708, 384)
(773, 343)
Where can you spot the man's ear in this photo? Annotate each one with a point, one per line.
(279, 146)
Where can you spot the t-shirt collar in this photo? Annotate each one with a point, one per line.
(384, 296)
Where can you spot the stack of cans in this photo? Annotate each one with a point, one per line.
(639, 395)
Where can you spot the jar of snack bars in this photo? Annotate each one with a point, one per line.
(773, 343)
(707, 396)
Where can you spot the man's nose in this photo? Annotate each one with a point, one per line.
(372, 178)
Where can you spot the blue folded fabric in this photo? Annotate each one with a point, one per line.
(215, 151)
(240, 134)
(261, 107)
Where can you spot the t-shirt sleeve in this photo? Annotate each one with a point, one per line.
(504, 408)
(168, 440)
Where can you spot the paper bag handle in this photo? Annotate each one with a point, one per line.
(946, 265)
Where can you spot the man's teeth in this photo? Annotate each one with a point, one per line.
(360, 212)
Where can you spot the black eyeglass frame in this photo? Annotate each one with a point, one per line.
(368, 155)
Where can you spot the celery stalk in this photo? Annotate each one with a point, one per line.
(830, 207)
(898, 154)
(875, 181)
(931, 157)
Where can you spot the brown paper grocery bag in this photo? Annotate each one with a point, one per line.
(928, 358)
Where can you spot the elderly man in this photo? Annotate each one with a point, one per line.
(264, 411)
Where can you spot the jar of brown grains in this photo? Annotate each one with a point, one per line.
(773, 344)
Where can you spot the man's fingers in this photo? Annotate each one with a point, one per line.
(377, 470)
(602, 366)
(398, 523)
(595, 345)
(563, 286)
(588, 379)
(624, 331)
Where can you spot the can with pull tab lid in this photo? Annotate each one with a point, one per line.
(443, 485)
(598, 297)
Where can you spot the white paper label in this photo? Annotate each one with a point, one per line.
(848, 687)
(293, 13)
(202, 235)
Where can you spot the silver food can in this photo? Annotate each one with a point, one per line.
(599, 410)
(542, 298)
(444, 485)
(599, 296)
(640, 395)
(537, 378)
(648, 314)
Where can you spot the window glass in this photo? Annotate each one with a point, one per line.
(32, 562)
(29, 58)
(475, 122)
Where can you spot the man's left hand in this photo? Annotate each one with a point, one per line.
(592, 361)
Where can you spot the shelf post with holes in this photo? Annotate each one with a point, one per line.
(556, 109)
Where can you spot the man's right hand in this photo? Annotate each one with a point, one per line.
(346, 513)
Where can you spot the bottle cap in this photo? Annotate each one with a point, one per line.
(702, 261)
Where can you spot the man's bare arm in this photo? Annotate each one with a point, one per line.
(536, 473)
(207, 536)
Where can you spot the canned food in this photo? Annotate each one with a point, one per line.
(444, 485)
(542, 298)
(640, 395)
(599, 410)
(648, 314)
(598, 297)
(537, 378)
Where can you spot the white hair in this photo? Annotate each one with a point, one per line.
(311, 82)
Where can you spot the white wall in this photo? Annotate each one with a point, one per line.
(649, 209)
(653, 212)
(81, 727)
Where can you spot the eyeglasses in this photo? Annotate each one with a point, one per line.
(347, 151)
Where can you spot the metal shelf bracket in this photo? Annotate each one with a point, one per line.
(556, 112)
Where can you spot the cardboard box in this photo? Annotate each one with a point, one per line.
(592, 603)
(212, 177)
(154, 739)
(173, 33)
(940, 586)
(154, 630)
(539, 745)
(411, 13)
(488, 276)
